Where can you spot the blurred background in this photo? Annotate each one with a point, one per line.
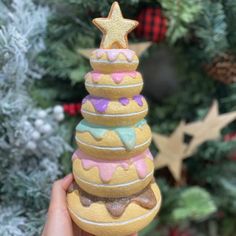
(188, 60)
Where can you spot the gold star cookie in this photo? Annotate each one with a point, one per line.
(115, 28)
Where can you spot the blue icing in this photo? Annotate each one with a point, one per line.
(126, 133)
(141, 123)
(127, 136)
(97, 131)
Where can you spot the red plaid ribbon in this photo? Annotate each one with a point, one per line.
(152, 24)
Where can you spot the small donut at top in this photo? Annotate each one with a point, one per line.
(114, 60)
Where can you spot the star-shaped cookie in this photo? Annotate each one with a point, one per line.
(115, 28)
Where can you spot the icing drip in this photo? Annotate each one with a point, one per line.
(116, 206)
(100, 104)
(124, 101)
(126, 134)
(127, 138)
(138, 100)
(116, 77)
(96, 131)
(107, 168)
(99, 53)
(112, 54)
(95, 76)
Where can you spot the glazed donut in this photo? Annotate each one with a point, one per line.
(115, 85)
(113, 143)
(121, 112)
(113, 178)
(113, 60)
(113, 216)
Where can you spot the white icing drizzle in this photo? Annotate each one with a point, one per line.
(110, 148)
(114, 62)
(115, 185)
(112, 86)
(113, 115)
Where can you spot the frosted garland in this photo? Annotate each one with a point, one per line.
(29, 144)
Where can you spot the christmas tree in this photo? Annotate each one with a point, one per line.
(183, 76)
(190, 64)
(113, 167)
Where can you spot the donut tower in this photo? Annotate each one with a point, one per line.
(114, 193)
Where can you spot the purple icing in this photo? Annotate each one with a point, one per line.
(85, 99)
(124, 101)
(100, 104)
(138, 100)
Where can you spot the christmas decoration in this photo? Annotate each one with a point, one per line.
(209, 128)
(172, 151)
(115, 28)
(113, 135)
(198, 32)
(152, 24)
(72, 109)
(58, 113)
(223, 68)
(30, 145)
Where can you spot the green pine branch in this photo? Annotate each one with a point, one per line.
(211, 29)
(181, 13)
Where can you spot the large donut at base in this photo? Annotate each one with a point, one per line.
(113, 217)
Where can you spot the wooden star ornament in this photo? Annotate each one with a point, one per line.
(172, 151)
(209, 128)
(115, 28)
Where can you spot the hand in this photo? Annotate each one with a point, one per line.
(58, 221)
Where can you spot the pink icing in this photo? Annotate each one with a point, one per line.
(95, 76)
(107, 168)
(116, 77)
(112, 54)
(99, 53)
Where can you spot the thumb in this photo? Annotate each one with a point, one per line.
(59, 188)
(58, 220)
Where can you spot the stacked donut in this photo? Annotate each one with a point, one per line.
(114, 192)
